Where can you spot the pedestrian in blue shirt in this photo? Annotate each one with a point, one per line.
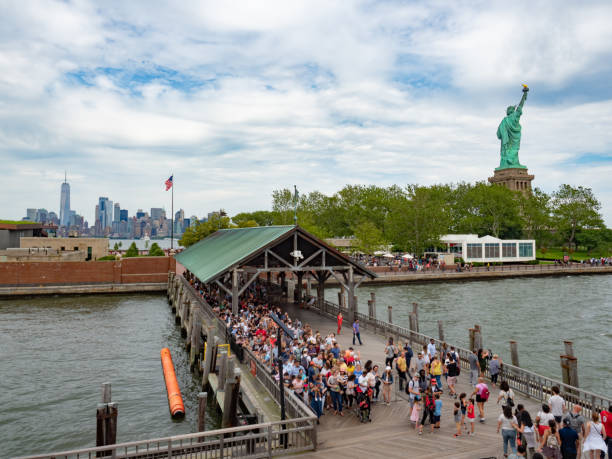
(356, 332)
(437, 411)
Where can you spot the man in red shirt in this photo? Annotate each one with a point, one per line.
(606, 419)
(339, 322)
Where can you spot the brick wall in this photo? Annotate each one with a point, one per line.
(127, 271)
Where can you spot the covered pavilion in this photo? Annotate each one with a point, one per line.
(234, 258)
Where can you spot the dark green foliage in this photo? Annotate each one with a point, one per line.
(156, 251)
(132, 251)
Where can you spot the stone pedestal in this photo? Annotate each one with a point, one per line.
(516, 179)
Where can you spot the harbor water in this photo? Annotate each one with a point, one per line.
(539, 313)
(56, 351)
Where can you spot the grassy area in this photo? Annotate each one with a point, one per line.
(558, 254)
(16, 222)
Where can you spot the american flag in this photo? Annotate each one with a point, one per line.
(169, 183)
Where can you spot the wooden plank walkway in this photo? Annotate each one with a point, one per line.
(390, 434)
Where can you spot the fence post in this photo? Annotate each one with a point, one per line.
(514, 353)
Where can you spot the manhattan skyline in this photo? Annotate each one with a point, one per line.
(237, 101)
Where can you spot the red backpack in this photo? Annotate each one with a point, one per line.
(484, 393)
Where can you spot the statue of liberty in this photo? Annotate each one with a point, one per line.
(509, 132)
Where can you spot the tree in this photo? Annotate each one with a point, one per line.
(132, 251)
(261, 217)
(282, 206)
(535, 216)
(201, 230)
(485, 209)
(369, 237)
(156, 250)
(418, 218)
(575, 209)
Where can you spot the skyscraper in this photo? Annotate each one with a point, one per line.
(117, 212)
(65, 204)
(104, 212)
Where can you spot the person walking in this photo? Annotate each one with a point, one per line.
(339, 319)
(428, 410)
(435, 369)
(595, 432)
(356, 334)
(569, 441)
(335, 391)
(452, 369)
(474, 368)
(606, 420)
(551, 441)
(557, 404)
(508, 425)
(401, 367)
(506, 395)
(526, 428)
(481, 391)
(389, 353)
(576, 422)
(494, 368)
(387, 382)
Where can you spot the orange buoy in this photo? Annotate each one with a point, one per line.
(175, 400)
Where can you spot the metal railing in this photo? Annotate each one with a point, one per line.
(551, 268)
(519, 379)
(254, 441)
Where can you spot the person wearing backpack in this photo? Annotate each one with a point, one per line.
(506, 395)
(428, 410)
(481, 391)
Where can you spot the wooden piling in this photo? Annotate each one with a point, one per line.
(390, 314)
(514, 353)
(202, 400)
(111, 429)
(230, 403)
(413, 326)
(106, 392)
(415, 311)
(221, 376)
(440, 330)
(472, 334)
(478, 337)
(372, 306)
(196, 340)
(208, 356)
(106, 425)
(569, 365)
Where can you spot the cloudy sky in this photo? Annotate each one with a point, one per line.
(240, 98)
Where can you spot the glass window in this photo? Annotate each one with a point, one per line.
(525, 249)
(509, 249)
(474, 251)
(491, 250)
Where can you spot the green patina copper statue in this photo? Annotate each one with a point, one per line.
(509, 132)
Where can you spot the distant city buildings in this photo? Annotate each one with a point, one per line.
(111, 220)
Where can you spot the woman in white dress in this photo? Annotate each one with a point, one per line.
(594, 435)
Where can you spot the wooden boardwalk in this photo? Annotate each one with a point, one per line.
(390, 434)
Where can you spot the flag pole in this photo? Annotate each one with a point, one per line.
(172, 216)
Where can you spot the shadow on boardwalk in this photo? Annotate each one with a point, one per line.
(391, 434)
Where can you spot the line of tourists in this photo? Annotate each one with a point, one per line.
(313, 366)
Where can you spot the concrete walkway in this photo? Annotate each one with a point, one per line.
(390, 434)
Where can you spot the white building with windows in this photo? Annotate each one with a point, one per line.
(488, 249)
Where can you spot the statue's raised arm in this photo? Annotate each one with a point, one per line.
(524, 98)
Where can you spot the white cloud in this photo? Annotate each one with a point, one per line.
(240, 98)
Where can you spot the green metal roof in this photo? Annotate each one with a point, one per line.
(225, 248)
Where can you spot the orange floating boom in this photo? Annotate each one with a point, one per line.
(175, 400)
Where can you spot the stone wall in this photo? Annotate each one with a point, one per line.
(126, 271)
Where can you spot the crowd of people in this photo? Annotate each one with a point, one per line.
(332, 380)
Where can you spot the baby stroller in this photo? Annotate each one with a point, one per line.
(364, 403)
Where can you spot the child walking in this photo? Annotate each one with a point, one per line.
(471, 416)
(458, 417)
